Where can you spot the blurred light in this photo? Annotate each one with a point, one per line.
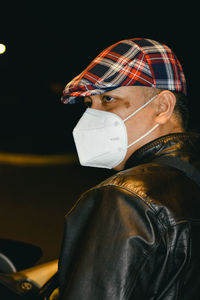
(2, 48)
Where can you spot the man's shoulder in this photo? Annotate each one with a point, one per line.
(142, 179)
(159, 186)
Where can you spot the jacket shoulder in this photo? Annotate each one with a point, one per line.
(142, 179)
(160, 185)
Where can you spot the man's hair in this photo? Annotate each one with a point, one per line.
(181, 109)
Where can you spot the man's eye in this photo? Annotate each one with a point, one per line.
(108, 98)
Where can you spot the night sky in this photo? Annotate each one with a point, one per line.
(50, 43)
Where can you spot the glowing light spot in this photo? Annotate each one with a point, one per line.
(2, 48)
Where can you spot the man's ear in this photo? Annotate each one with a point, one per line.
(166, 102)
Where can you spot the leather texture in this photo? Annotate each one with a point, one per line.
(137, 234)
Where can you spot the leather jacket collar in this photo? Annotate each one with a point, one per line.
(184, 145)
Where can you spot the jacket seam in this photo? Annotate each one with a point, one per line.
(130, 288)
(182, 275)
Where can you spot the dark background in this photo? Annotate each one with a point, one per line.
(48, 43)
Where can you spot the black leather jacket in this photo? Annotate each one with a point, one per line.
(137, 234)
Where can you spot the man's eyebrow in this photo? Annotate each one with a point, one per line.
(110, 93)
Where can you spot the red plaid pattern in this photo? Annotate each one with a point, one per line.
(132, 62)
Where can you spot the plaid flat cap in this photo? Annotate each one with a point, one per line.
(131, 62)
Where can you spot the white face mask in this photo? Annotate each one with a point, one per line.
(101, 138)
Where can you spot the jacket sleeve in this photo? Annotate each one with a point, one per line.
(110, 247)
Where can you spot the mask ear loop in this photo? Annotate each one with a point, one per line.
(143, 136)
(148, 132)
(141, 107)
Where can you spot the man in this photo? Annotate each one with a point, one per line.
(135, 235)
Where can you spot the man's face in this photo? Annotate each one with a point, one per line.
(123, 101)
